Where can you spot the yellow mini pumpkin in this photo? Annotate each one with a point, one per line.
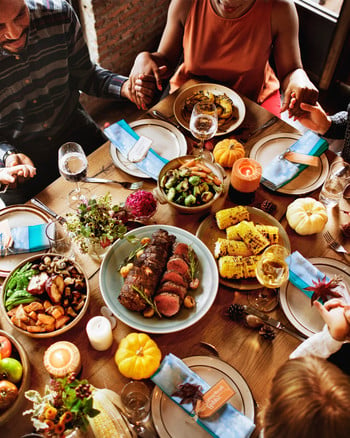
(227, 151)
(137, 356)
(306, 216)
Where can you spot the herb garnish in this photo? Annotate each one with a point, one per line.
(148, 300)
(193, 262)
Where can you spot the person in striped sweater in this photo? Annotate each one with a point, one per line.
(44, 65)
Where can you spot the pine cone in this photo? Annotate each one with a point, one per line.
(267, 332)
(235, 312)
(268, 206)
(346, 229)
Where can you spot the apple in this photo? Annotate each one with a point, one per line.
(5, 347)
(11, 369)
(8, 394)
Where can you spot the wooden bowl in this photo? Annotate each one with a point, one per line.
(18, 353)
(37, 259)
(175, 164)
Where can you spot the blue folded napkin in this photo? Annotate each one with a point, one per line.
(226, 422)
(124, 139)
(280, 171)
(29, 238)
(303, 273)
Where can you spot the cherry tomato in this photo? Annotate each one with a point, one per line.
(5, 347)
(8, 394)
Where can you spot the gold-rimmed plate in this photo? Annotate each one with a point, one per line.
(233, 123)
(208, 232)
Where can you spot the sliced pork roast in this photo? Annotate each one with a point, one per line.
(147, 271)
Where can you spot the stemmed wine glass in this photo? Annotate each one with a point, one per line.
(72, 164)
(203, 125)
(271, 271)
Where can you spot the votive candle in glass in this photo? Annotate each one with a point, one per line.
(62, 358)
(246, 175)
(99, 332)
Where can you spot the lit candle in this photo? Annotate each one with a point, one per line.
(246, 175)
(62, 358)
(99, 332)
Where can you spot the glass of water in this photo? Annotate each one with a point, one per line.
(135, 397)
(337, 179)
(60, 241)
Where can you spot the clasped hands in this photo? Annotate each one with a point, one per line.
(18, 169)
(336, 314)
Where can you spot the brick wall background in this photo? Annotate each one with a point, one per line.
(123, 28)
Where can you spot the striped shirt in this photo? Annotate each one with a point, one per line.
(40, 85)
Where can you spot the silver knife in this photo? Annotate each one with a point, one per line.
(163, 117)
(249, 310)
(48, 210)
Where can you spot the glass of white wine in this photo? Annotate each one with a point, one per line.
(271, 271)
(73, 164)
(203, 125)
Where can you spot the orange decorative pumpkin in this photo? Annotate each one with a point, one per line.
(227, 151)
(137, 356)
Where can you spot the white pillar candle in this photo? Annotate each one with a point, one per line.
(99, 332)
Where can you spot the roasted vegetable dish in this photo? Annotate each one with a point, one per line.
(158, 276)
(191, 184)
(45, 295)
(227, 112)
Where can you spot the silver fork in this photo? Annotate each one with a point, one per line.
(336, 246)
(127, 185)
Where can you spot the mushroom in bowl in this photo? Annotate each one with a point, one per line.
(44, 296)
(190, 184)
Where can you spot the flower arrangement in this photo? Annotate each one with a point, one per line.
(65, 406)
(97, 221)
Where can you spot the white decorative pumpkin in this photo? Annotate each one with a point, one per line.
(307, 216)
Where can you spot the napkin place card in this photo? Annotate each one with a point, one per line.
(218, 418)
(30, 238)
(281, 170)
(135, 148)
(305, 276)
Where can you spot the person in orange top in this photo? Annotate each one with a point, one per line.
(230, 42)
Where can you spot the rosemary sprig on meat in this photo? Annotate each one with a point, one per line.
(148, 300)
(133, 253)
(193, 262)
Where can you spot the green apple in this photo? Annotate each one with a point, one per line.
(11, 369)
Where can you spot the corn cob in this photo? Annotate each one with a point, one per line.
(231, 216)
(232, 232)
(255, 241)
(270, 232)
(237, 267)
(108, 423)
(231, 247)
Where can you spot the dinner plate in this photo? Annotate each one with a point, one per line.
(308, 180)
(167, 141)
(217, 90)
(20, 215)
(171, 421)
(111, 283)
(208, 232)
(2, 204)
(297, 306)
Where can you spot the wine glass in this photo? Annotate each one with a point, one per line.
(72, 164)
(203, 125)
(271, 272)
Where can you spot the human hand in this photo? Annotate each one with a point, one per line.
(9, 175)
(20, 166)
(314, 117)
(299, 89)
(336, 314)
(140, 90)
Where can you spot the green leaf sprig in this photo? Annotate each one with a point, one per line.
(148, 300)
(193, 262)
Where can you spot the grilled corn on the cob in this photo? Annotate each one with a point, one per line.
(237, 267)
(255, 241)
(231, 247)
(231, 216)
(269, 231)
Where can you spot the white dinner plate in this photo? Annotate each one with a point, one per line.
(171, 421)
(20, 215)
(297, 306)
(111, 283)
(308, 180)
(2, 204)
(167, 141)
(217, 89)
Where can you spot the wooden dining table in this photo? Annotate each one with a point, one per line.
(255, 358)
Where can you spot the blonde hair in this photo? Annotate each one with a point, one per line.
(309, 398)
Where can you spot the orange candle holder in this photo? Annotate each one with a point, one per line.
(245, 179)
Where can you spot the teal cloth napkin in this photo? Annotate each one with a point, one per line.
(29, 238)
(226, 422)
(124, 138)
(302, 273)
(280, 171)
